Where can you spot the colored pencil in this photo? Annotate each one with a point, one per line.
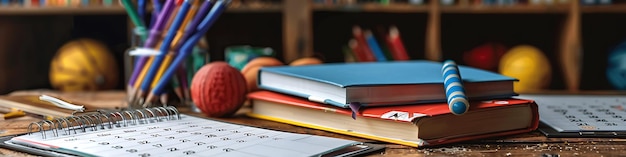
(155, 33)
(164, 48)
(135, 19)
(156, 10)
(189, 44)
(165, 45)
(151, 41)
(166, 61)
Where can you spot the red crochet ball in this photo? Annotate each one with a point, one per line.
(218, 89)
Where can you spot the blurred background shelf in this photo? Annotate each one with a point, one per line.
(107, 10)
(613, 8)
(91, 10)
(576, 38)
(372, 7)
(506, 9)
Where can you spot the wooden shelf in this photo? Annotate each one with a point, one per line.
(515, 9)
(103, 10)
(614, 8)
(371, 7)
(61, 10)
(258, 8)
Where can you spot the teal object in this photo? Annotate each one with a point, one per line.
(616, 67)
(198, 58)
(239, 56)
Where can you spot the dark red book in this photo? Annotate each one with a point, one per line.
(411, 125)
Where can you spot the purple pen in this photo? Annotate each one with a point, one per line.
(155, 34)
(187, 47)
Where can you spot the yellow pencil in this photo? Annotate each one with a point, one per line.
(157, 77)
(168, 58)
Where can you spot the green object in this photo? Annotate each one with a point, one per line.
(239, 56)
(348, 54)
(108, 2)
(384, 2)
(140, 27)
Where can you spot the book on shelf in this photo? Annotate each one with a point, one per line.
(380, 83)
(411, 125)
(163, 131)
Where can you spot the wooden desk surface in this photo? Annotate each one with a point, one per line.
(528, 144)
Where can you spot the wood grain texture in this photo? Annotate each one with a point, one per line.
(528, 144)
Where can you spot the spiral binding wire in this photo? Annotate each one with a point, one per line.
(103, 120)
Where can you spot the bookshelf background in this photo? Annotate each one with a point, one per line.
(576, 38)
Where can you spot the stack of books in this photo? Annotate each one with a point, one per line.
(396, 102)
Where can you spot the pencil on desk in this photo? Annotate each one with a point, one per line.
(453, 84)
(12, 113)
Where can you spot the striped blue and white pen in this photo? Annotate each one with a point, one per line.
(453, 84)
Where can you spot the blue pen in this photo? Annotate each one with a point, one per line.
(165, 44)
(151, 41)
(453, 84)
(141, 9)
(191, 27)
(188, 46)
(157, 7)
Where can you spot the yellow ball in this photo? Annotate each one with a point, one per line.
(529, 65)
(83, 65)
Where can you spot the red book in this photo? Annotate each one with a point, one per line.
(398, 52)
(356, 49)
(411, 125)
(362, 44)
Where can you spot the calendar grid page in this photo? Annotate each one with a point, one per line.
(578, 113)
(189, 136)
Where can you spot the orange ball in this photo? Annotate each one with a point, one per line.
(218, 89)
(306, 61)
(251, 70)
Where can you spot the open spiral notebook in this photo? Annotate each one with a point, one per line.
(163, 131)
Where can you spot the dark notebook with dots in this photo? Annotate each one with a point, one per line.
(581, 115)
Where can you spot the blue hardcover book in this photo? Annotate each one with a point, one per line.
(380, 83)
